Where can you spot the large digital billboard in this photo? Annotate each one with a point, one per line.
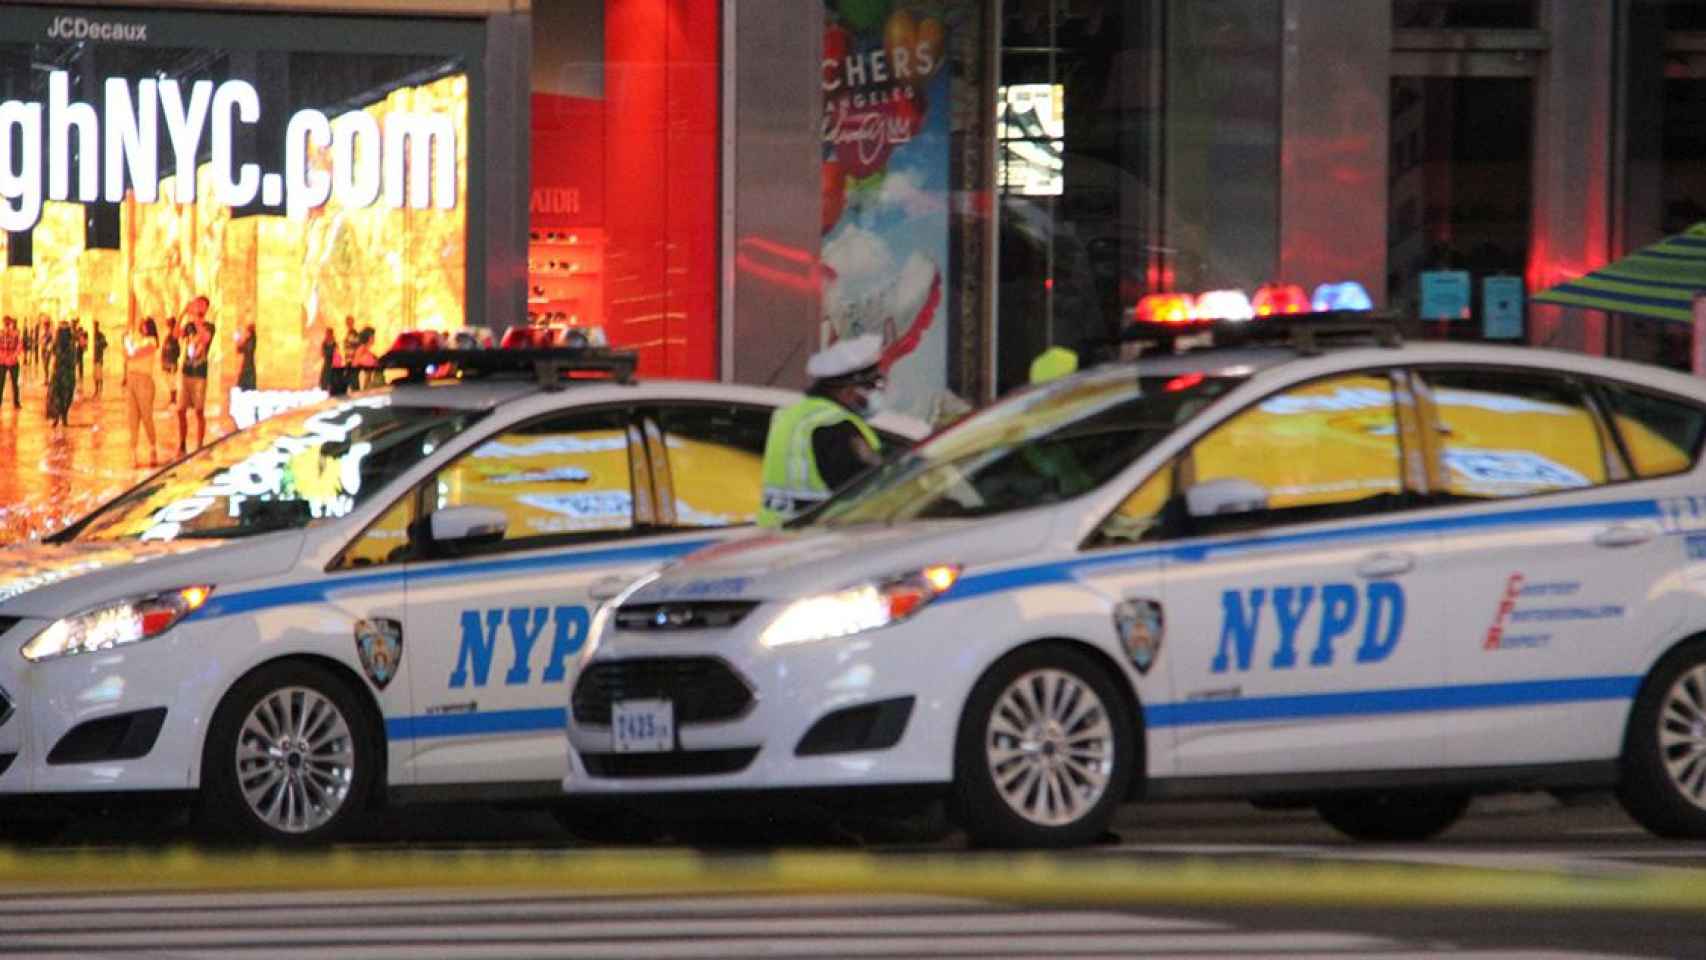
(297, 171)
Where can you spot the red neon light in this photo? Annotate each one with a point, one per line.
(1183, 381)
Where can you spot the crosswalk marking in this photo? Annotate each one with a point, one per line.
(486, 924)
(505, 925)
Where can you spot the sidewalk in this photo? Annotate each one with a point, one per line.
(50, 476)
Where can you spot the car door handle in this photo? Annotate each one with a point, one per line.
(606, 588)
(1385, 564)
(1623, 535)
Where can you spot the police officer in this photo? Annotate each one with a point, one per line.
(823, 441)
(1056, 465)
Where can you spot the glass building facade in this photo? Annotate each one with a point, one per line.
(726, 186)
(295, 172)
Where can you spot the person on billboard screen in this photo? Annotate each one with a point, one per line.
(63, 389)
(329, 361)
(80, 342)
(170, 348)
(100, 357)
(366, 362)
(141, 344)
(352, 343)
(246, 349)
(44, 343)
(197, 336)
(11, 355)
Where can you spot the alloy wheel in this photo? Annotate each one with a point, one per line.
(1682, 735)
(295, 760)
(1050, 747)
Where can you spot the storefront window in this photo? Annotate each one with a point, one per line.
(1138, 154)
(294, 177)
(623, 224)
(1459, 202)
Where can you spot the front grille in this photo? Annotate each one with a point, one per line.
(7, 623)
(676, 763)
(703, 689)
(693, 615)
(6, 706)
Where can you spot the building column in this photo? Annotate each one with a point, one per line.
(778, 200)
(1334, 116)
(497, 229)
(1574, 127)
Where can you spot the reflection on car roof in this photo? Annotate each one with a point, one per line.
(1240, 362)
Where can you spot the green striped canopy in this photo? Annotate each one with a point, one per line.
(1655, 281)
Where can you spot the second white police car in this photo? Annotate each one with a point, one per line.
(376, 597)
(1375, 577)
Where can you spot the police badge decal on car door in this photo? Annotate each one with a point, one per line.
(1140, 626)
(379, 644)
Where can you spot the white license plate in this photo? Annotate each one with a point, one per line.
(642, 726)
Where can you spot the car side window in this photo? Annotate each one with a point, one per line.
(1504, 433)
(715, 456)
(1139, 516)
(386, 540)
(1322, 450)
(1660, 434)
(555, 480)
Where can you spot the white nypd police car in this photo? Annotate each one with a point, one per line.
(377, 596)
(1339, 570)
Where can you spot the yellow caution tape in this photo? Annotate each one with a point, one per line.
(1024, 878)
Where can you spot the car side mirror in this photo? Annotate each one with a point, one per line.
(1215, 498)
(468, 526)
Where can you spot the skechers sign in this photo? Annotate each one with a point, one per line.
(410, 161)
(1335, 611)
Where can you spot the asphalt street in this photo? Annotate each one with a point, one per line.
(1585, 840)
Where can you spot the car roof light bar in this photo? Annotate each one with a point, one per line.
(1308, 333)
(550, 367)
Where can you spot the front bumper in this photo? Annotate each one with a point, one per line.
(818, 715)
(126, 719)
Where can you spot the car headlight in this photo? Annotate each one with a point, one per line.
(857, 609)
(119, 622)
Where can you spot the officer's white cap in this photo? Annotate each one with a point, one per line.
(845, 357)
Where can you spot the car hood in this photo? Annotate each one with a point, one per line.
(787, 564)
(55, 579)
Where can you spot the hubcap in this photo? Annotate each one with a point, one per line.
(1050, 747)
(1682, 735)
(295, 760)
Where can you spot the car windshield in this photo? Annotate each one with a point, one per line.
(1043, 445)
(284, 473)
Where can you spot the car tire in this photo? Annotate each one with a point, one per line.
(1045, 752)
(606, 826)
(1663, 781)
(264, 782)
(1392, 816)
